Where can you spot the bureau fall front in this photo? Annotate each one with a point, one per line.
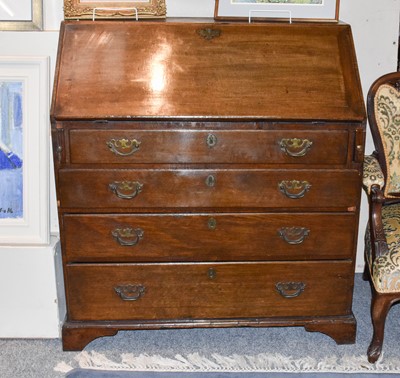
(208, 175)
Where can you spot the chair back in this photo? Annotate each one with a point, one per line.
(383, 103)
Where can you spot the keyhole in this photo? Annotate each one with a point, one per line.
(212, 274)
(212, 223)
(211, 140)
(211, 181)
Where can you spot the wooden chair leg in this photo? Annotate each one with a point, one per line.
(365, 275)
(367, 246)
(380, 306)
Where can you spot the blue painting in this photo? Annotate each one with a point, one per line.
(11, 149)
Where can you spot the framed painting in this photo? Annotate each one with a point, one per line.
(21, 15)
(24, 150)
(103, 9)
(297, 10)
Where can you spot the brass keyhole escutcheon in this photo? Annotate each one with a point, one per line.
(211, 181)
(212, 223)
(212, 274)
(211, 140)
(208, 33)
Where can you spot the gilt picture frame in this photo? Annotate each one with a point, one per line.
(24, 150)
(284, 10)
(24, 15)
(110, 9)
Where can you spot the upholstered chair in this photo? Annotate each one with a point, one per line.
(381, 182)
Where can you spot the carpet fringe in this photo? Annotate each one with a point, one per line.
(235, 363)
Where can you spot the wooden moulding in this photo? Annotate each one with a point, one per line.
(76, 335)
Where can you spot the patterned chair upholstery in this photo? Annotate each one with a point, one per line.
(381, 182)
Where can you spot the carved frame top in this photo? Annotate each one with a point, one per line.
(81, 9)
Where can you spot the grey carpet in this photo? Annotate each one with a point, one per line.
(45, 358)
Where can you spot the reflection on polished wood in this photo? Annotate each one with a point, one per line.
(295, 71)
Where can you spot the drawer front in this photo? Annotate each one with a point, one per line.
(203, 291)
(208, 237)
(208, 188)
(215, 146)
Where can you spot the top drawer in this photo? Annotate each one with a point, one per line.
(208, 146)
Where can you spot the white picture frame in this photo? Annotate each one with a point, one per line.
(327, 10)
(21, 15)
(31, 224)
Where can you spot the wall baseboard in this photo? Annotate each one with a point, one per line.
(29, 280)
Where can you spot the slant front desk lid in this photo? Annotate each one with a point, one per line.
(175, 70)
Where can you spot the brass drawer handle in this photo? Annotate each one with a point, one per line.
(130, 292)
(294, 189)
(290, 289)
(293, 235)
(123, 147)
(127, 237)
(126, 189)
(295, 147)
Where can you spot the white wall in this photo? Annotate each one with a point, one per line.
(375, 25)
(30, 306)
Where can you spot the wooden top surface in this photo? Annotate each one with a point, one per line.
(169, 70)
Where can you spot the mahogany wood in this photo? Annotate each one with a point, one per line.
(233, 188)
(221, 143)
(210, 237)
(343, 334)
(188, 291)
(380, 306)
(240, 147)
(294, 72)
(76, 335)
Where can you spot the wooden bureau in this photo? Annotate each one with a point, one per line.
(208, 175)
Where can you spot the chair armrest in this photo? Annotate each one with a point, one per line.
(372, 174)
